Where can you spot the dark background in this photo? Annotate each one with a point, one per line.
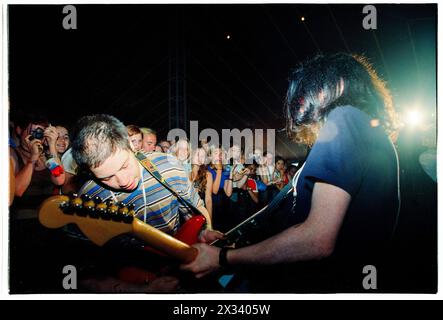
(118, 59)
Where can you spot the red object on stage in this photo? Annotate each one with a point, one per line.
(136, 275)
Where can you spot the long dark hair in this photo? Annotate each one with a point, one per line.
(322, 83)
(201, 178)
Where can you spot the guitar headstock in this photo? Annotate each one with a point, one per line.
(100, 221)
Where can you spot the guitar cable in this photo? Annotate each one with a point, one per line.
(397, 216)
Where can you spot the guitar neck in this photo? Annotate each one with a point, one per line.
(163, 242)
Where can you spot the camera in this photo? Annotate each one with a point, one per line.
(37, 134)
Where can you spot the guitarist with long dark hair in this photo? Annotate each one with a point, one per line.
(346, 197)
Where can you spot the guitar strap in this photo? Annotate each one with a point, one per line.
(153, 171)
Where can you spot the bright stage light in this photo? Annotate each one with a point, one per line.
(413, 118)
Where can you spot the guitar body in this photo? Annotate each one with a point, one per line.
(189, 231)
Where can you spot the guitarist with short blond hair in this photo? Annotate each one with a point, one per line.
(154, 184)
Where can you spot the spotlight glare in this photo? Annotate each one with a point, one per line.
(413, 118)
(375, 123)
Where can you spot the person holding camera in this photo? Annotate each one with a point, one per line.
(247, 201)
(36, 162)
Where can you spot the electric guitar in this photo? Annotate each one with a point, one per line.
(100, 222)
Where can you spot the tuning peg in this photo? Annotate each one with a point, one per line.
(85, 197)
(112, 208)
(98, 200)
(109, 209)
(117, 217)
(112, 211)
(76, 203)
(65, 206)
(98, 209)
(88, 206)
(93, 212)
(101, 208)
(129, 217)
(123, 209)
(131, 210)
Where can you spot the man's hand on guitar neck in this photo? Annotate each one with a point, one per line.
(206, 261)
(208, 236)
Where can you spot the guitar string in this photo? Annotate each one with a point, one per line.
(294, 186)
(397, 217)
(144, 192)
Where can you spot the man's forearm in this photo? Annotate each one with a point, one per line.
(314, 238)
(294, 244)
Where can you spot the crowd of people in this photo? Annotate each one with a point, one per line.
(231, 184)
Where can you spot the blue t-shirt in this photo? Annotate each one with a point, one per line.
(217, 198)
(360, 159)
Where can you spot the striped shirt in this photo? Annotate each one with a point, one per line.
(163, 210)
